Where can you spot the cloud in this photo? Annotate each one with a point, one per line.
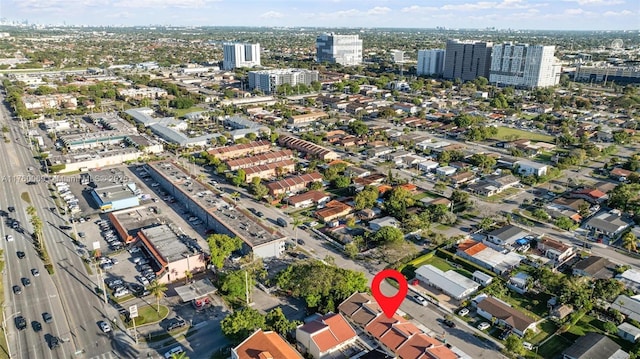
(578, 11)
(272, 15)
(378, 10)
(618, 13)
(163, 3)
(597, 2)
(419, 9)
(471, 6)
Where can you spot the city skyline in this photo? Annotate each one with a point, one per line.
(501, 14)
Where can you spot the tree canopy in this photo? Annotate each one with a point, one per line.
(321, 286)
(221, 246)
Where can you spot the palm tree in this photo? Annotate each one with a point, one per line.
(235, 196)
(629, 242)
(188, 275)
(31, 210)
(182, 355)
(157, 289)
(296, 223)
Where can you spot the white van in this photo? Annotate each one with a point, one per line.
(175, 350)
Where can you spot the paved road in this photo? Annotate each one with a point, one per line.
(69, 294)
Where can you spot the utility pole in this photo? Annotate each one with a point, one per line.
(246, 285)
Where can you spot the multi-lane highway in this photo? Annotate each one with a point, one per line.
(69, 295)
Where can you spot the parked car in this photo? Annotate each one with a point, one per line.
(176, 323)
(505, 333)
(527, 345)
(463, 312)
(484, 326)
(420, 299)
(174, 351)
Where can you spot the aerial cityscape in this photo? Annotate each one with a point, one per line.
(339, 179)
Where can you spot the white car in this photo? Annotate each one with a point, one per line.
(9, 238)
(104, 326)
(527, 345)
(483, 326)
(463, 312)
(420, 299)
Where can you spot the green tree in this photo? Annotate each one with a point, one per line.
(358, 128)
(389, 235)
(182, 355)
(398, 202)
(238, 325)
(366, 198)
(157, 290)
(221, 246)
(188, 275)
(486, 223)
(258, 189)
(607, 288)
(440, 186)
(276, 321)
(610, 327)
(630, 242)
(513, 344)
(234, 283)
(342, 182)
(565, 223)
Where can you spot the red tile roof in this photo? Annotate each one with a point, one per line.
(263, 345)
(471, 247)
(329, 331)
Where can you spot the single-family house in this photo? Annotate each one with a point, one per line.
(483, 278)
(619, 174)
(594, 345)
(333, 210)
(631, 279)
(562, 311)
(593, 195)
(528, 168)
(610, 224)
(445, 171)
(519, 282)
(628, 332)
(629, 306)
(452, 283)
(594, 267)
(555, 250)
(496, 310)
(325, 335)
(506, 235)
(308, 199)
(462, 177)
(356, 172)
(263, 345)
(387, 221)
(487, 257)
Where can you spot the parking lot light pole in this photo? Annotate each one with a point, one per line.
(4, 329)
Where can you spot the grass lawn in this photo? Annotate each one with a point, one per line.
(535, 304)
(440, 263)
(554, 347)
(546, 328)
(422, 195)
(149, 315)
(505, 133)
(183, 111)
(442, 227)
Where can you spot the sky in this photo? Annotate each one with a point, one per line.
(455, 14)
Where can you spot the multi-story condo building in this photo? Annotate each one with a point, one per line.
(604, 72)
(467, 60)
(268, 81)
(430, 62)
(240, 55)
(524, 65)
(341, 49)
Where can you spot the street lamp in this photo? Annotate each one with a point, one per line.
(4, 328)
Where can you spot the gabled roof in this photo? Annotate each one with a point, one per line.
(329, 331)
(509, 315)
(592, 345)
(261, 345)
(507, 232)
(471, 247)
(592, 265)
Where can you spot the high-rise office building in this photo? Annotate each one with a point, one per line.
(268, 81)
(430, 62)
(240, 55)
(467, 60)
(524, 65)
(341, 49)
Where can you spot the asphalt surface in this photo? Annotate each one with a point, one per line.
(69, 294)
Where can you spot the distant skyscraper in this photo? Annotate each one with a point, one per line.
(268, 81)
(240, 55)
(467, 60)
(524, 65)
(430, 62)
(341, 49)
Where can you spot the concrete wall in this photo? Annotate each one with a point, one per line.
(195, 264)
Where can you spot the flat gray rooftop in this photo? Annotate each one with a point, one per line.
(167, 243)
(247, 229)
(114, 192)
(195, 290)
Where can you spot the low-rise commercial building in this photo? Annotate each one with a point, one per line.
(452, 283)
(218, 214)
(115, 197)
(171, 257)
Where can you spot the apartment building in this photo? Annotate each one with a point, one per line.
(431, 62)
(56, 101)
(268, 81)
(240, 55)
(259, 159)
(293, 184)
(467, 60)
(144, 92)
(239, 150)
(339, 49)
(524, 66)
(309, 148)
(269, 170)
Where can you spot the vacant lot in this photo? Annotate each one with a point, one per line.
(508, 133)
